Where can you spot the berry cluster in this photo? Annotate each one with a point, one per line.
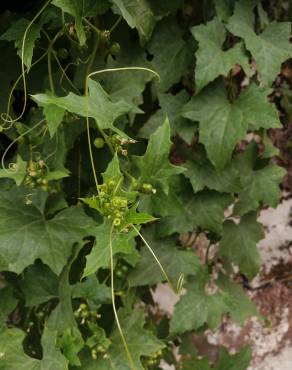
(144, 188)
(36, 175)
(110, 205)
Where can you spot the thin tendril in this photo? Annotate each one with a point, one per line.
(180, 279)
(124, 69)
(87, 112)
(87, 107)
(64, 74)
(3, 115)
(15, 140)
(23, 71)
(130, 359)
(114, 26)
(55, 150)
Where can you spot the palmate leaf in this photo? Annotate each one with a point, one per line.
(205, 211)
(99, 257)
(202, 174)
(238, 244)
(138, 14)
(270, 48)
(198, 306)
(211, 60)
(223, 124)
(172, 60)
(259, 184)
(127, 85)
(141, 342)
(14, 358)
(39, 285)
(16, 33)
(154, 165)
(260, 187)
(26, 234)
(239, 361)
(98, 105)
(54, 117)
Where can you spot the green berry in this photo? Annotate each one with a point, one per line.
(99, 142)
(119, 273)
(115, 48)
(63, 53)
(32, 173)
(94, 354)
(147, 188)
(111, 184)
(117, 222)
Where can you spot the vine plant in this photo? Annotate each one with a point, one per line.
(126, 125)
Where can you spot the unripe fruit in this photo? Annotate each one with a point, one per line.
(115, 48)
(99, 142)
(63, 53)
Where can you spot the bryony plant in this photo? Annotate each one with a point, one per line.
(126, 126)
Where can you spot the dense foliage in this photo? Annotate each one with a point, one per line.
(127, 124)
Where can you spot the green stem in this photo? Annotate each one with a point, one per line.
(130, 359)
(180, 280)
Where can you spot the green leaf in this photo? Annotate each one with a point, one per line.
(239, 361)
(238, 244)
(137, 218)
(17, 172)
(39, 285)
(25, 233)
(52, 358)
(154, 165)
(76, 9)
(174, 261)
(138, 14)
(240, 307)
(12, 354)
(14, 358)
(7, 303)
(56, 175)
(113, 171)
(211, 60)
(99, 257)
(54, 117)
(205, 303)
(202, 173)
(16, 33)
(205, 211)
(224, 9)
(172, 60)
(94, 292)
(171, 106)
(223, 124)
(260, 187)
(196, 308)
(98, 105)
(71, 343)
(128, 85)
(270, 149)
(270, 48)
(141, 342)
